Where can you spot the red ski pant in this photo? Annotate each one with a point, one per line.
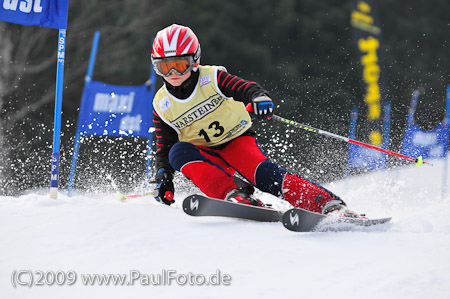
(212, 170)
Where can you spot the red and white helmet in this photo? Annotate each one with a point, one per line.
(176, 40)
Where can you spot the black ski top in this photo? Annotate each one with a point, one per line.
(230, 85)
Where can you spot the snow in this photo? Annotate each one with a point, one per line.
(98, 233)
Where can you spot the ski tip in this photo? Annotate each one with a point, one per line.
(299, 220)
(293, 221)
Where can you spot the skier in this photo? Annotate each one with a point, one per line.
(204, 130)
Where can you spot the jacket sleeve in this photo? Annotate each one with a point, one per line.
(166, 137)
(239, 89)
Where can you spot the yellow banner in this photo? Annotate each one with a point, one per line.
(367, 34)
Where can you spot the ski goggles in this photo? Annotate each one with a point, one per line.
(179, 65)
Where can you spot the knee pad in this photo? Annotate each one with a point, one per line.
(182, 153)
(269, 178)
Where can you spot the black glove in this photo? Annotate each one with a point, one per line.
(262, 107)
(164, 189)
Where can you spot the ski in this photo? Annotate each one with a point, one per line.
(199, 205)
(299, 220)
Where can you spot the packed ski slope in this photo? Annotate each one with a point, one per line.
(99, 234)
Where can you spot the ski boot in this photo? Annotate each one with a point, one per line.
(338, 209)
(245, 196)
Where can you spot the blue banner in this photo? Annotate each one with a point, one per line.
(428, 144)
(45, 13)
(365, 158)
(116, 110)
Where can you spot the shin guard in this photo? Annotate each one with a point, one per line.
(304, 194)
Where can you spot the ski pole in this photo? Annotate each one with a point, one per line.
(419, 160)
(124, 197)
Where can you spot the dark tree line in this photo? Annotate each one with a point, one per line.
(302, 52)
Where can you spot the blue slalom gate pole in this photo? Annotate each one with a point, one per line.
(412, 108)
(54, 175)
(447, 124)
(352, 135)
(87, 80)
